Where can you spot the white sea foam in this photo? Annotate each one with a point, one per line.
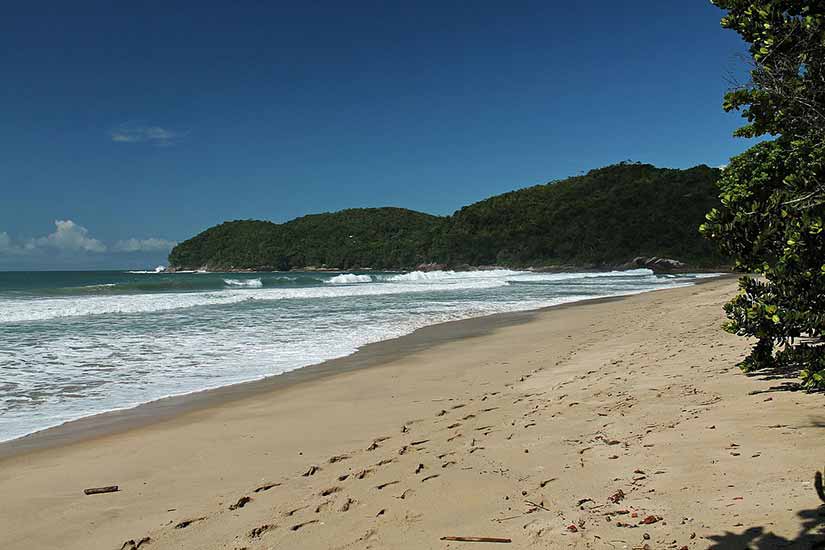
(563, 276)
(428, 276)
(348, 278)
(245, 283)
(81, 366)
(158, 269)
(16, 311)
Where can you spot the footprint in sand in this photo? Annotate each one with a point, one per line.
(298, 526)
(329, 491)
(132, 545)
(384, 485)
(294, 511)
(346, 506)
(266, 487)
(363, 473)
(258, 531)
(312, 471)
(243, 501)
(337, 458)
(429, 477)
(187, 522)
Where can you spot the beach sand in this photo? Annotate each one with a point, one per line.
(570, 428)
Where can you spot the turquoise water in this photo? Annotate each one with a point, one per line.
(73, 344)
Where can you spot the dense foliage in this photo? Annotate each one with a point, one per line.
(604, 218)
(773, 196)
(381, 238)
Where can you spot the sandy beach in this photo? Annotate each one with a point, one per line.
(613, 424)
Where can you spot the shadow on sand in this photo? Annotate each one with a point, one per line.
(811, 535)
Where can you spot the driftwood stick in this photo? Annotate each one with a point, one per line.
(531, 503)
(476, 539)
(101, 490)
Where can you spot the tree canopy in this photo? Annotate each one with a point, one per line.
(773, 196)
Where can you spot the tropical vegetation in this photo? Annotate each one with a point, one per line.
(600, 219)
(772, 210)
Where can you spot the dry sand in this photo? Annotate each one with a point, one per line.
(525, 432)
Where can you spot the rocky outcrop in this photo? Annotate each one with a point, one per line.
(658, 265)
(431, 267)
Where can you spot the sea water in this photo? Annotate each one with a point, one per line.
(74, 344)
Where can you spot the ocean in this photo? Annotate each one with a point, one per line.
(74, 344)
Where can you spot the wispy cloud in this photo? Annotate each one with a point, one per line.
(154, 135)
(144, 245)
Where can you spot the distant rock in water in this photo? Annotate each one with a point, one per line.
(431, 267)
(596, 221)
(658, 265)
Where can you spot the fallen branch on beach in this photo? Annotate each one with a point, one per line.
(476, 539)
(101, 490)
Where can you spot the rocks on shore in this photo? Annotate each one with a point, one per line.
(658, 265)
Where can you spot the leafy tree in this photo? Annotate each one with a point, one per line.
(773, 196)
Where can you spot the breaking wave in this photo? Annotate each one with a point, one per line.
(244, 283)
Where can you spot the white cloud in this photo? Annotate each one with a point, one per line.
(145, 134)
(68, 236)
(144, 245)
(71, 244)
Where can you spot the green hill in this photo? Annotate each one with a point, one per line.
(601, 219)
(606, 217)
(381, 238)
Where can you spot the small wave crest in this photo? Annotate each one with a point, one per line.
(349, 278)
(158, 269)
(244, 283)
(104, 285)
(428, 276)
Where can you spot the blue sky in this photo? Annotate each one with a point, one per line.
(127, 126)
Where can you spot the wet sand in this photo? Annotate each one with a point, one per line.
(564, 428)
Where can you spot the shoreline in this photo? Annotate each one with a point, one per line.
(369, 356)
(608, 423)
(564, 268)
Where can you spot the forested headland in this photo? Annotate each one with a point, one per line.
(602, 219)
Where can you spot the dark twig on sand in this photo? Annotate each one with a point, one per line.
(101, 490)
(476, 539)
